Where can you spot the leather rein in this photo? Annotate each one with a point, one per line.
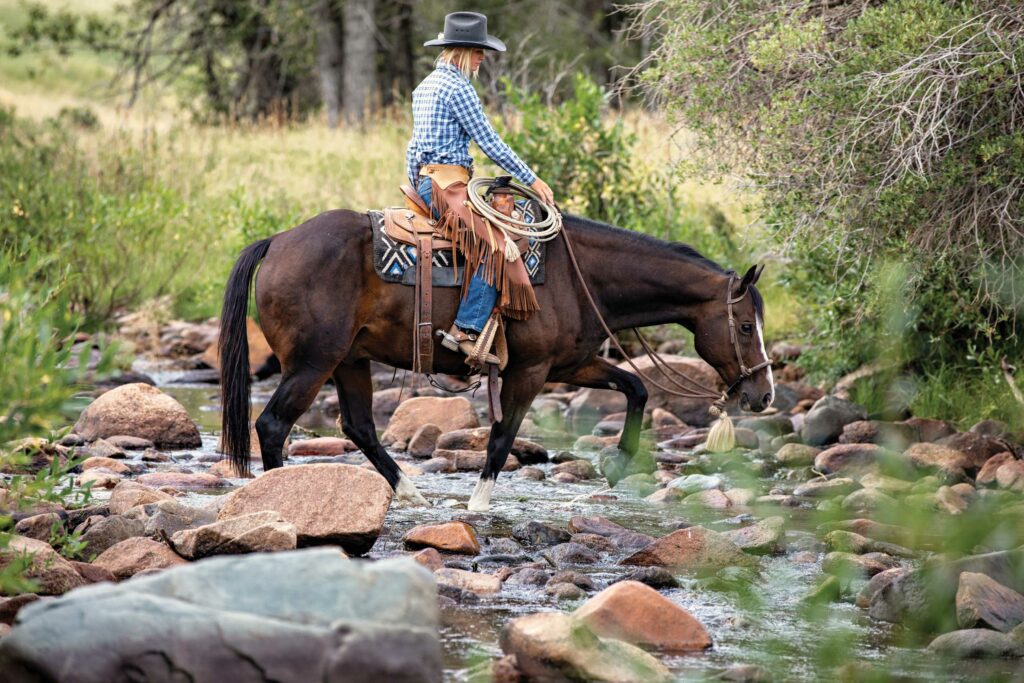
(685, 386)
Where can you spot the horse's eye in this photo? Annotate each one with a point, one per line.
(747, 328)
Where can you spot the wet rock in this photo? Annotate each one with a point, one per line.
(868, 500)
(594, 542)
(39, 527)
(666, 496)
(976, 643)
(564, 478)
(112, 464)
(772, 425)
(826, 419)
(797, 455)
(506, 546)
(227, 469)
(877, 583)
(824, 488)
(183, 480)
(829, 590)
(151, 455)
(575, 578)
(438, 465)
(987, 473)
(167, 517)
(565, 591)
(327, 619)
(569, 554)
(139, 410)
(622, 537)
(473, 461)
(327, 503)
(532, 473)
(746, 438)
(889, 533)
(133, 555)
(712, 499)
(424, 441)
(581, 469)
(252, 533)
(52, 574)
(555, 647)
(984, 603)
(101, 448)
(529, 576)
(655, 577)
(689, 440)
(452, 537)
(741, 497)
(127, 442)
(761, 538)
(893, 435)
(849, 459)
(98, 478)
(976, 448)
(883, 483)
(1011, 476)
(429, 558)
(695, 549)
(694, 483)
(9, 607)
(539, 534)
(474, 582)
(100, 533)
(447, 413)
(849, 564)
(635, 613)
(322, 446)
(848, 541)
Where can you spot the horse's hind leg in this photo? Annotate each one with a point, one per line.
(293, 397)
(355, 397)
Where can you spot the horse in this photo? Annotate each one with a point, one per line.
(326, 314)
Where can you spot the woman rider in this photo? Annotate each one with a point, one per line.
(447, 114)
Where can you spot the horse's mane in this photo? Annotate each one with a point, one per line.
(640, 239)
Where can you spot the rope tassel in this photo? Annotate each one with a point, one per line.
(722, 437)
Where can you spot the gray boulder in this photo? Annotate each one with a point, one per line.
(827, 417)
(295, 616)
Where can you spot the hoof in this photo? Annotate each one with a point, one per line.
(407, 495)
(480, 501)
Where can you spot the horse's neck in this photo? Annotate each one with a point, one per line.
(639, 283)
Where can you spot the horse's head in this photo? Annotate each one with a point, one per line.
(729, 335)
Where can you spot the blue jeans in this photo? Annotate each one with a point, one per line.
(476, 308)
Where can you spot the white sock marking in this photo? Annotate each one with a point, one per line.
(480, 501)
(407, 495)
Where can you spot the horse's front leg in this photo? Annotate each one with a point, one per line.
(519, 387)
(600, 374)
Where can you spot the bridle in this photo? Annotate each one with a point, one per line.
(689, 388)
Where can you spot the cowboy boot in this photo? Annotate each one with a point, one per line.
(456, 339)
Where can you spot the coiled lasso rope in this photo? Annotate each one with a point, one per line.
(542, 230)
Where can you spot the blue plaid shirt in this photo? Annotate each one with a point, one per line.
(446, 115)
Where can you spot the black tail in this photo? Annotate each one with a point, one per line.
(234, 355)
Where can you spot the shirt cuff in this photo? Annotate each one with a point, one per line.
(528, 179)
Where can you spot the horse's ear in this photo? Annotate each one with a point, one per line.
(749, 278)
(757, 275)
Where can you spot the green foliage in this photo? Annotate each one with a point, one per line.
(591, 162)
(884, 140)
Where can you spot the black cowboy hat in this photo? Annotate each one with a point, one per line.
(466, 29)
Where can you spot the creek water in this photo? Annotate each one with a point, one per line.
(754, 617)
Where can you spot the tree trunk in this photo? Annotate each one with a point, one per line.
(329, 59)
(360, 59)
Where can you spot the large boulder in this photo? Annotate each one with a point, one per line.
(308, 615)
(527, 452)
(52, 574)
(447, 413)
(977, 643)
(638, 614)
(982, 602)
(100, 533)
(133, 555)
(591, 404)
(327, 503)
(826, 419)
(168, 517)
(555, 647)
(139, 410)
(694, 549)
(256, 532)
(851, 459)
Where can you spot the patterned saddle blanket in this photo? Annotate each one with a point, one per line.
(395, 261)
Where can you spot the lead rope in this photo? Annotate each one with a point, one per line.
(722, 436)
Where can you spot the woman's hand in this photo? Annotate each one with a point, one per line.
(541, 188)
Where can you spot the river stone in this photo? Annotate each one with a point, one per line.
(100, 533)
(797, 455)
(256, 532)
(568, 554)
(849, 564)
(452, 537)
(824, 488)
(1011, 476)
(476, 439)
(127, 558)
(825, 420)
(93, 573)
(305, 615)
(101, 448)
(987, 473)
(52, 574)
(849, 541)
(424, 441)
(868, 500)
(327, 503)
(538, 533)
(127, 442)
(437, 465)
(693, 483)
(984, 603)
(655, 577)
(321, 446)
(112, 464)
(9, 607)
(949, 464)
(637, 614)
(892, 435)
(977, 643)
(478, 583)
(554, 647)
(139, 410)
(581, 469)
(183, 480)
(39, 527)
(977, 448)
(763, 537)
(167, 517)
(447, 413)
(473, 461)
(877, 583)
(620, 536)
(226, 468)
(694, 549)
(849, 459)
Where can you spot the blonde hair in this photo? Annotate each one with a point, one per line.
(459, 57)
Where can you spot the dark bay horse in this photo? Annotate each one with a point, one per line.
(326, 314)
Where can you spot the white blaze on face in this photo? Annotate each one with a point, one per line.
(764, 354)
